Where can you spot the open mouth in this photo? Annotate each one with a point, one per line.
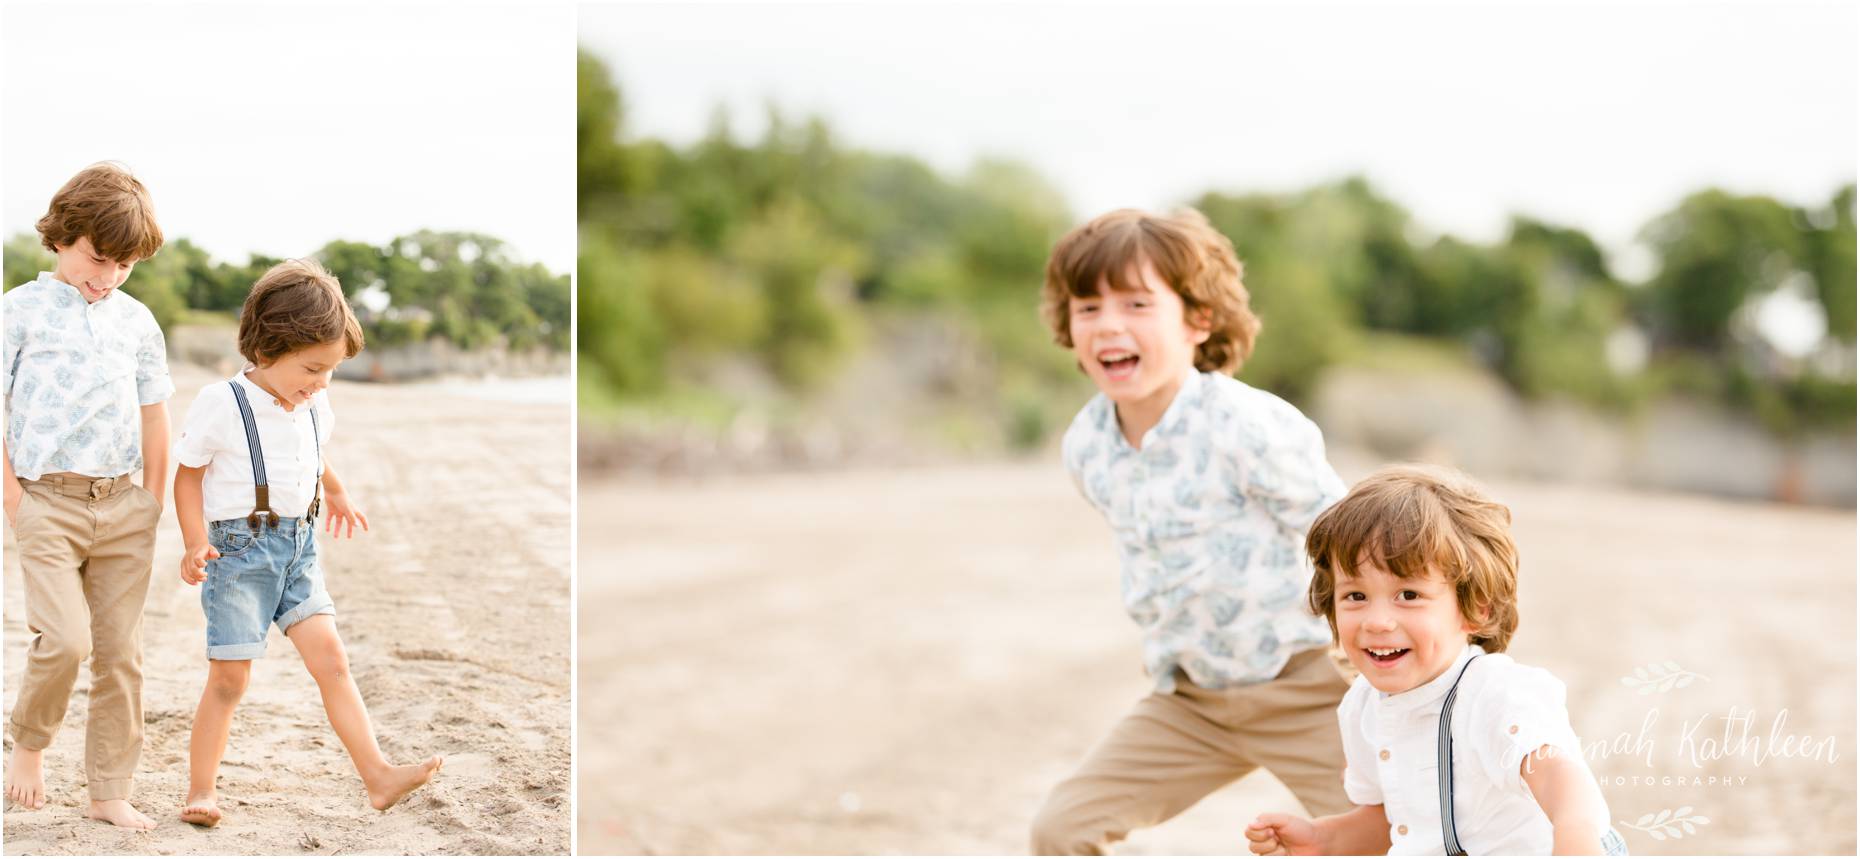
(1118, 364)
(1385, 656)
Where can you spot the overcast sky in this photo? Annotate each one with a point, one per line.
(276, 128)
(1599, 116)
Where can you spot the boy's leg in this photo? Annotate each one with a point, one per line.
(1289, 726)
(1162, 758)
(116, 586)
(52, 538)
(206, 745)
(323, 655)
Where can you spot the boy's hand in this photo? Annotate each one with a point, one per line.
(1282, 835)
(194, 563)
(15, 493)
(342, 513)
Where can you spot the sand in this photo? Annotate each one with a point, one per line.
(904, 661)
(455, 613)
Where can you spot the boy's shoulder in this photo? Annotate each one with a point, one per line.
(1496, 678)
(213, 394)
(1237, 403)
(1092, 423)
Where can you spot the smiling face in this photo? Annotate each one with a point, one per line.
(94, 275)
(1400, 633)
(298, 376)
(1135, 344)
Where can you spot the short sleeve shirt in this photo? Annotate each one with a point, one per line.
(76, 375)
(1210, 516)
(213, 438)
(1503, 712)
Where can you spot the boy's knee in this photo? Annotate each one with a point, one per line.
(327, 662)
(65, 652)
(228, 679)
(1058, 830)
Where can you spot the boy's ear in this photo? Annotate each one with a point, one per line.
(1484, 612)
(1200, 326)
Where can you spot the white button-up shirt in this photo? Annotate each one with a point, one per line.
(76, 375)
(214, 438)
(1210, 518)
(1503, 712)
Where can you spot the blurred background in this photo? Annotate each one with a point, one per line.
(424, 155)
(1600, 257)
(1614, 260)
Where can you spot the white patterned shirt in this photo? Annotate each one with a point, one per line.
(76, 375)
(1210, 519)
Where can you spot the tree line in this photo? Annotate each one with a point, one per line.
(782, 249)
(457, 286)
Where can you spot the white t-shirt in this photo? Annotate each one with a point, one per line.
(214, 437)
(1503, 712)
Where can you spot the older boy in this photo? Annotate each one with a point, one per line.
(85, 375)
(1208, 485)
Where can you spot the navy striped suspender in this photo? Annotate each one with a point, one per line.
(1444, 765)
(261, 488)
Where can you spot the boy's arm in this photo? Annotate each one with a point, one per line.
(155, 432)
(189, 511)
(1361, 831)
(14, 491)
(189, 507)
(1568, 795)
(342, 510)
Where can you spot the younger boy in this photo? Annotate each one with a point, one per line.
(253, 476)
(86, 379)
(1417, 574)
(1208, 485)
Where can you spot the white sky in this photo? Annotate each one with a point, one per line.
(276, 128)
(1598, 116)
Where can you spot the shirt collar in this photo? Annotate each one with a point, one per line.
(1433, 691)
(256, 394)
(1188, 392)
(51, 280)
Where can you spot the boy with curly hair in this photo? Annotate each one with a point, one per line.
(1208, 485)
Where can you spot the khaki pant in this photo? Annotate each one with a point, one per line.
(1174, 749)
(85, 546)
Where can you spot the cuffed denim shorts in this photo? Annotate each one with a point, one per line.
(263, 576)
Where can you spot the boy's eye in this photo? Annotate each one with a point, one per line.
(1410, 595)
(1354, 596)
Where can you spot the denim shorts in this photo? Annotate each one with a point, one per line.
(264, 576)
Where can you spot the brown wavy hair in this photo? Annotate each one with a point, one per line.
(109, 205)
(1193, 257)
(295, 305)
(1413, 519)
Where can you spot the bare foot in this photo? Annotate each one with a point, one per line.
(202, 810)
(394, 783)
(119, 812)
(25, 777)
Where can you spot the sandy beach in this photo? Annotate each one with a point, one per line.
(904, 661)
(455, 611)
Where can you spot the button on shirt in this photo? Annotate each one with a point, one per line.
(1210, 518)
(76, 375)
(214, 438)
(1503, 712)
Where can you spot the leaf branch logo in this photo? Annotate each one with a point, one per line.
(1669, 823)
(1661, 677)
